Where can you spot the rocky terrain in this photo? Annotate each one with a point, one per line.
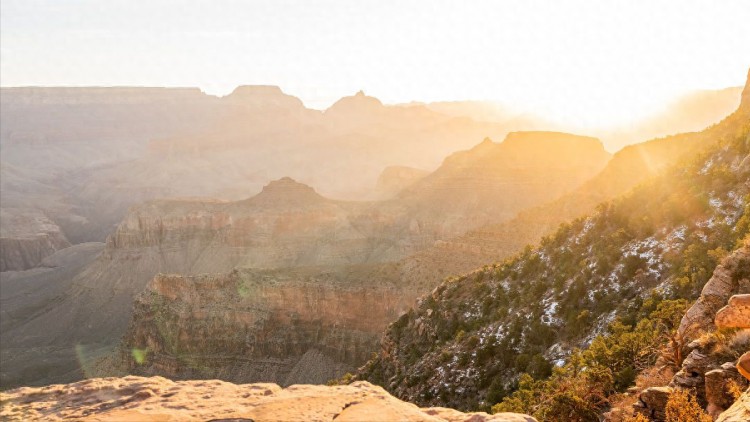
(27, 236)
(293, 326)
(708, 368)
(158, 399)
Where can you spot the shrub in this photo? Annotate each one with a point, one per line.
(683, 407)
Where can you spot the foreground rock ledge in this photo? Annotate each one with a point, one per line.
(159, 399)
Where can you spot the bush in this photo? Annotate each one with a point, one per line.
(683, 407)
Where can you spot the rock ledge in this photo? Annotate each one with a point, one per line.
(159, 399)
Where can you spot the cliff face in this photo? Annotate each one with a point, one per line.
(286, 326)
(287, 224)
(137, 398)
(27, 236)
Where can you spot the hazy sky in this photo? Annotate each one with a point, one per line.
(591, 60)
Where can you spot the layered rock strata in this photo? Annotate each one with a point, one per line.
(289, 326)
(27, 236)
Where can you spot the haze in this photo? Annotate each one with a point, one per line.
(534, 55)
(375, 211)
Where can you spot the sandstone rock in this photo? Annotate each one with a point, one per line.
(743, 365)
(739, 412)
(691, 374)
(653, 401)
(287, 326)
(736, 314)
(717, 382)
(722, 284)
(158, 399)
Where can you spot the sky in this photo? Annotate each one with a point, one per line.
(592, 62)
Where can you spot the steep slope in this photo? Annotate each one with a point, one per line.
(470, 339)
(28, 294)
(691, 112)
(627, 169)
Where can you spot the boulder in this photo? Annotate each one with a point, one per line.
(718, 393)
(652, 402)
(743, 365)
(739, 412)
(736, 314)
(691, 374)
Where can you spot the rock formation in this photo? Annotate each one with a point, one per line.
(729, 278)
(27, 236)
(737, 315)
(290, 326)
(739, 412)
(158, 399)
(703, 372)
(652, 402)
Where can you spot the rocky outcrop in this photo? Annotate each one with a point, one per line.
(736, 314)
(730, 277)
(652, 402)
(691, 375)
(27, 236)
(739, 412)
(158, 399)
(287, 224)
(713, 383)
(719, 385)
(285, 326)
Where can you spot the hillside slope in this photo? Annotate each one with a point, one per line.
(467, 342)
